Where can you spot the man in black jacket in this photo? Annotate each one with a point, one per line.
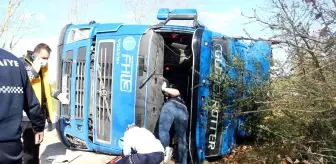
(16, 94)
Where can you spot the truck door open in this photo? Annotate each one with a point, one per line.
(149, 97)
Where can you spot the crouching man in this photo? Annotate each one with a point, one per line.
(141, 147)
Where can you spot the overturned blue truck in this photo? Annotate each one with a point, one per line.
(113, 74)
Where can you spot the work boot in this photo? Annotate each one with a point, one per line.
(168, 155)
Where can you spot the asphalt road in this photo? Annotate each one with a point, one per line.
(51, 146)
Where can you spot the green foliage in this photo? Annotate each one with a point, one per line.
(301, 103)
(235, 96)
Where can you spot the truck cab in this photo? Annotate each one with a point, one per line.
(114, 72)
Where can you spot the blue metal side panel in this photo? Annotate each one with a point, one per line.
(242, 49)
(110, 27)
(262, 53)
(259, 52)
(82, 26)
(122, 29)
(255, 52)
(203, 91)
(217, 34)
(124, 105)
(123, 100)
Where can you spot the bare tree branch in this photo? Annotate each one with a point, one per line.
(15, 25)
(11, 9)
(78, 10)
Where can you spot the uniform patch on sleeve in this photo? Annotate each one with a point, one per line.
(32, 74)
(11, 89)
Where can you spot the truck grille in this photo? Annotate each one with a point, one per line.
(103, 84)
(80, 82)
(66, 81)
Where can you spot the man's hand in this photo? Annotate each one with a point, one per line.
(37, 64)
(164, 86)
(39, 137)
(62, 97)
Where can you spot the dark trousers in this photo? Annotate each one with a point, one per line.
(30, 150)
(11, 152)
(150, 158)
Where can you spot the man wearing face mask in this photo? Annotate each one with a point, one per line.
(36, 64)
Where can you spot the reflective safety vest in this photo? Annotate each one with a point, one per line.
(42, 89)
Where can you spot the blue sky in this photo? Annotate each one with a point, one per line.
(49, 16)
(215, 13)
(220, 15)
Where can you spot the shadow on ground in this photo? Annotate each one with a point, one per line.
(51, 146)
(53, 149)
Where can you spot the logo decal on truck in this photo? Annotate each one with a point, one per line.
(214, 129)
(129, 43)
(126, 73)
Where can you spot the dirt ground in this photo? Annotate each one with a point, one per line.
(51, 146)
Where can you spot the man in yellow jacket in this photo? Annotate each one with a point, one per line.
(36, 65)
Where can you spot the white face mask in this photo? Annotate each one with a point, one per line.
(44, 62)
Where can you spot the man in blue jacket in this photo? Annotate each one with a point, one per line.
(16, 94)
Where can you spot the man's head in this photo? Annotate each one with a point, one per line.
(42, 51)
